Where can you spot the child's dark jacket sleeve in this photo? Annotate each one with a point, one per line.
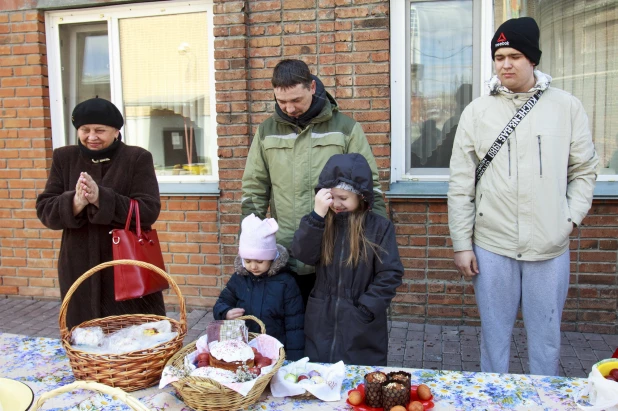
(307, 242)
(227, 299)
(294, 321)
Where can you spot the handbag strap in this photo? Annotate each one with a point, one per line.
(138, 224)
(134, 205)
(127, 224)
(504, 135)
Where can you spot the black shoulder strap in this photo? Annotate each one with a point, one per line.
(505, 133)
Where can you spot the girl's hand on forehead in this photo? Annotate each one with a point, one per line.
(323, 200)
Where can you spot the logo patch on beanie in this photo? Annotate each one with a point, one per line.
(502, 41)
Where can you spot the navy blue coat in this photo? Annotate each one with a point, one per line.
(273, 297)
(346, 311)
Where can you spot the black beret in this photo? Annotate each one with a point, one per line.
(522, 34)
(97, 111)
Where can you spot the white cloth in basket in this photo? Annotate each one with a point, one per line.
(328, 391)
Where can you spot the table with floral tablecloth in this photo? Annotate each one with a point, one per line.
(41, 363)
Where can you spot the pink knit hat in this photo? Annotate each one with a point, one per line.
(257, 239)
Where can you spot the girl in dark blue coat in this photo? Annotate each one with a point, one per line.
(357, 266)
(263, 287)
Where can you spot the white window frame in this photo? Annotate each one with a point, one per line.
(400, 78)
(111, 15)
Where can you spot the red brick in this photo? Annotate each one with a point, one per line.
(42, 282)
(32, 291)
(8, 290)
(296, 40)
(15, 102)
(33, 112)
(260, 18)
(29, 49)
(201, 280)
(29, 70)
(31, 92)
(12, 61)
(34, 15)
(351, 12)
(27, 27)
(229, 7)
(299, 4)
(35, 38)
(265, 42)
(307, 15)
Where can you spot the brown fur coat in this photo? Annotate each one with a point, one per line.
(86, 239)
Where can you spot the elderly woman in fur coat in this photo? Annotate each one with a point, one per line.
(263, 287)
(87, 195)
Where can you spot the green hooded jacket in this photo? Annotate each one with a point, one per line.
(284, 164)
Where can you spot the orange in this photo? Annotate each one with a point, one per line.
(355, 397)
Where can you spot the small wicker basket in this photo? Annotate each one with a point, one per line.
(130, 371)
(304, 396)
(205, 394)
(92, 386)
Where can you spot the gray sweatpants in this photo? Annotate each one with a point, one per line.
(541, 287)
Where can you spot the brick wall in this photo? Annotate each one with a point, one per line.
(433, 289)
(346, 43)
(28, 254)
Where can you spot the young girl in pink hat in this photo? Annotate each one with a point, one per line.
(263, 287)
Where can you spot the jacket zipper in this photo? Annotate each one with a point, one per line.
(540, 158)
(508, 142)
(309, 165)
(299, 266)
(332, 346)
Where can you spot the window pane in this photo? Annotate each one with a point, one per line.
(580, 51)
(165, 79)
(85, 66)
(441, 79)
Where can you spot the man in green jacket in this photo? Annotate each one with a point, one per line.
(289, 151)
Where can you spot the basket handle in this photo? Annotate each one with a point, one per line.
(93, 386)
(67, 298)
(257, 320)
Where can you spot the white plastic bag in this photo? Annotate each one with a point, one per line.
(90, 336)
(602, 393)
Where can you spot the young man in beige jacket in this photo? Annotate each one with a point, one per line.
(510, 226)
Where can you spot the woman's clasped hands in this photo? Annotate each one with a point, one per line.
(86, 192)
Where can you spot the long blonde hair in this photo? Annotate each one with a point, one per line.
(359, 243)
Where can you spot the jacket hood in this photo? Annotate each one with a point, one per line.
(275, 267)
(349, 168)
(542, 82)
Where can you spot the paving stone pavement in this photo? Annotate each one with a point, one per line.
(410, 345)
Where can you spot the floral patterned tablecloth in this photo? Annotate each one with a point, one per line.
(41, 363)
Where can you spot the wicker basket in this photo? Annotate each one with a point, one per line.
(205, 394)
(130, 371)
(304, 396)
(93, 386)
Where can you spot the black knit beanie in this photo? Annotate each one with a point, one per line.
(522, 34)
(97, 111)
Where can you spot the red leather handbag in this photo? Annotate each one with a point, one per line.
(131, 281)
